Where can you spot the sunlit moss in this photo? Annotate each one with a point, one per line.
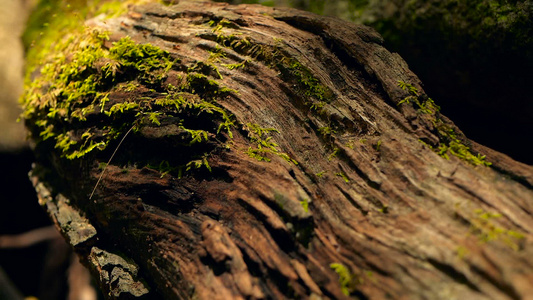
(347, 280)
(449, 143)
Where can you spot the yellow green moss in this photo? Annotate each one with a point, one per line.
(72, 89)
(343, 176)
(264, 144)
(69, 90)
(320, 174)
(291, 70)
(305, 205)
(347, 280)
(449, 142)
(484, 227)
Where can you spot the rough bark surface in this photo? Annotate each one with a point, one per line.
(473, 56)
(351, 203)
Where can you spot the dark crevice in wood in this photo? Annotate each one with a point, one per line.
(504, 288)
(353, 202)
(282, 237)
(512, 176)
(453, 274)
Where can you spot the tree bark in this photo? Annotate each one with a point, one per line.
(268, 153)
(483, 52)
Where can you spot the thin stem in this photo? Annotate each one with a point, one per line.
(109, 161)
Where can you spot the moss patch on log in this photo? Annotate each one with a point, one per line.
(291, 69)
(449, 142)
(68, 105)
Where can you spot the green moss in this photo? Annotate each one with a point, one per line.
(326, 131)
(149, 63)
(185, 103)
(198, 163)
(346, 279)
(264, 144)
(449, 142)
(320, 174)
(238, 65)
(60, 94)
(311, 85)
(461, 252)
(305, 205)
(78, 75)
(68, 90)
(343, 176)
(205, 68)
(200, 83)
(218, 25)
(384, 209)
(315, 94)
(378, 145)
(333, 154)
(484, 227)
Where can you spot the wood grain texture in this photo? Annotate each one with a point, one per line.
(405, 222)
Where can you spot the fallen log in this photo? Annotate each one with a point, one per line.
(202, 150)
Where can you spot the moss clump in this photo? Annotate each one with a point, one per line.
(347, 280)
(219, 24)
(88, 95)
(343, 176)
(320, 174)
(150, 64)
(69, 90)
(264, 144)
(305, 205)
(200, 83)
(449, 142)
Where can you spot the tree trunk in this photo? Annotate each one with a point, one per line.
(265, 153)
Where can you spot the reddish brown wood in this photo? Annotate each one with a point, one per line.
(406, 223)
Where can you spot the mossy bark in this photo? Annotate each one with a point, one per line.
(474, 57)
(267, 153)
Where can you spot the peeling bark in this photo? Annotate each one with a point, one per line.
(349, 203)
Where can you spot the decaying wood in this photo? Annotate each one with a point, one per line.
(368, 195)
